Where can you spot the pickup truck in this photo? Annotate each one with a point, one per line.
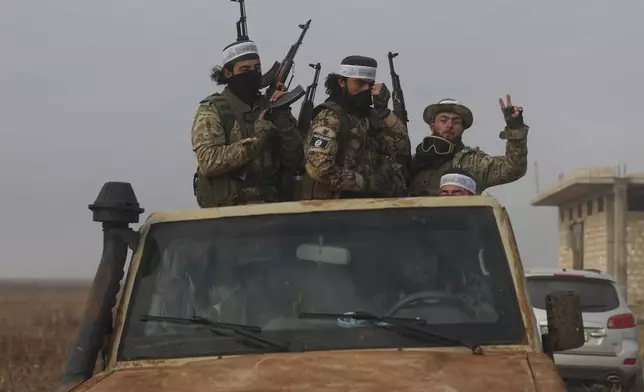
(403, 294)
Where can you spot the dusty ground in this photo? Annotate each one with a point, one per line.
(38, 323)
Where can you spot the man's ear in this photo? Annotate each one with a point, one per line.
(227, 73)
(342, 82)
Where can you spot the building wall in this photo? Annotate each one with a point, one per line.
(565, 255)
(599, 242)
(593, 215)
(595, 241)
(635, 252)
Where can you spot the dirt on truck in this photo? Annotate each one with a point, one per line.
(406, 294)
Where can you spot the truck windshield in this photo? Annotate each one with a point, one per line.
(445, 265)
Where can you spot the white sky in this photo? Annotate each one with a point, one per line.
(98, 91)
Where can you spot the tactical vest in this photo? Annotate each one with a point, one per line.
(426, 182)
(311, 189)
(231, 188)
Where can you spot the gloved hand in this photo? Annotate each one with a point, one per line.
(263, 131)
(381, 96)
(280, 117)
(513, 114)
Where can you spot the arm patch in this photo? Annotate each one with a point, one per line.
(319, 140)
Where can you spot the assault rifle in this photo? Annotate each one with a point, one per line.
(306, 111)
(400, 109)
(291, 179)
(242, 35)
(282, 75)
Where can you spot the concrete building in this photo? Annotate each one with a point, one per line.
(601, 224)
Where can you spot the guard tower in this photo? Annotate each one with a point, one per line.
(601, 224)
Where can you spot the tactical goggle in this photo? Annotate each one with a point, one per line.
(438, 144)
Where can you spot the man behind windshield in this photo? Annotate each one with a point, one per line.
(457, 182)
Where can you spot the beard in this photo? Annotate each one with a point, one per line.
(451, 136)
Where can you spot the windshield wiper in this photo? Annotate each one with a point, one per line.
(248, 331)
(403, 326)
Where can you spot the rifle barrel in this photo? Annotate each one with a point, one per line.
(242, 27)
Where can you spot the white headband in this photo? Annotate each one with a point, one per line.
(459, 180)
(358, 72)
(238, 50)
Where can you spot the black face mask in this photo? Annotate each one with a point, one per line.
(246, 85)
(359, 103)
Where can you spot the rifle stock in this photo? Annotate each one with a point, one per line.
(397, 96)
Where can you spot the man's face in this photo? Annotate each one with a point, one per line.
(355, 86)
(454, 190)
(244, 66)
(447, 125)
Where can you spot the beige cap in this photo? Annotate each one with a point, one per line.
(449, 105)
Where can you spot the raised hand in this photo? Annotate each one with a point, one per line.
(381, 95)
(513, 114)
(280, 90)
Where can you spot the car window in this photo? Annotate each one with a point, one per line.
(596, 295)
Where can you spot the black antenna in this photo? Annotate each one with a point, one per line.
(242, 28)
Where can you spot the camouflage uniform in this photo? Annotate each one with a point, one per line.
(487, 170)
(427, 167)
(357, 161)
(238, 156)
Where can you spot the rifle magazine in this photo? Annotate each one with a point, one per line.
(289, 98)
(269, 77)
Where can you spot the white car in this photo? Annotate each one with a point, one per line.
(610, 355)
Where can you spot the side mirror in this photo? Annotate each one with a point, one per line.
(565, 323)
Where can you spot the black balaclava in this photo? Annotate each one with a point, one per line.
(246, 86)
(362, 102)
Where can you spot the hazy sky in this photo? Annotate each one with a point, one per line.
(97, 91)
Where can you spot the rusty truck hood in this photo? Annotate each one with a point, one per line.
(355, 371)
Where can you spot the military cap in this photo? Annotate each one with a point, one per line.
(449, 105)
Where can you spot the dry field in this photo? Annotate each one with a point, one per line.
(38, 323)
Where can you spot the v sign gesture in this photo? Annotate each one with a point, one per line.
(513, 114)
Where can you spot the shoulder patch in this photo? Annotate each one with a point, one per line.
(319, 140)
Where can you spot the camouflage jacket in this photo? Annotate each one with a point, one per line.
(358, 156)
(487, 170)
(231, 144)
